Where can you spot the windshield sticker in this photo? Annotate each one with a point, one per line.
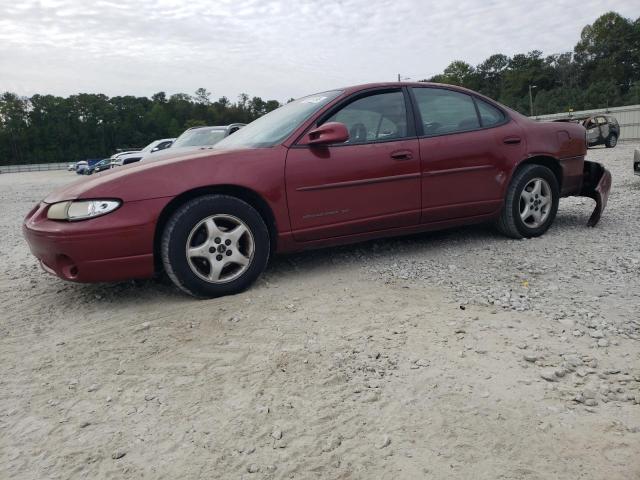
(312, 100)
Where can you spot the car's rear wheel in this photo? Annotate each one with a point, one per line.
(531, 202)
(611, 141)
(215, 245)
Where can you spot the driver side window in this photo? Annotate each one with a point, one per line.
(377, 117)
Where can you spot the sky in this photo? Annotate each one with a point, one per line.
(269, 48)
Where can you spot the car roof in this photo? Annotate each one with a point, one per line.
(366, 86)
(346, 91)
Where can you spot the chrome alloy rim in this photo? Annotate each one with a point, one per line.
(535, 202)
(220, 248)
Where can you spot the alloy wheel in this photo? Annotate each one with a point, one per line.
(220, 248)
(535, 202)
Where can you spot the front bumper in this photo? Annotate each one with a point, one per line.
(596, 184)
(113, 247)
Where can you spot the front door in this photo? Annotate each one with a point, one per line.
(593, 131)
(371, 182)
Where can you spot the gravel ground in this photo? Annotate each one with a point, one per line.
(456, 354)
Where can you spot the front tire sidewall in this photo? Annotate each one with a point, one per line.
(611, 141)
(179, 227)
(531, 173)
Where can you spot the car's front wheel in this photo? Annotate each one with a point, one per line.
(531, 202)
(611, 141)
(215, 245)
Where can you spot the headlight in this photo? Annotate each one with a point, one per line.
(81, 209)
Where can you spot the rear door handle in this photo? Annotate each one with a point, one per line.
(511, 140)
(402, 155)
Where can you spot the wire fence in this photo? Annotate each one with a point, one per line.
(33, 167)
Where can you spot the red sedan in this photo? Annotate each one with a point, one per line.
(336, 167)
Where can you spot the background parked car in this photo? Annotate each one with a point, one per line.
(601, 129)
(83, 165)
(196, 138)
(71, 167)
(132, 157)
(104, 164)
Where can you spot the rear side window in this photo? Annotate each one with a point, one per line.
(489, 115)
(445, 111)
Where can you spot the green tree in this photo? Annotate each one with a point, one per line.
(47, 128)
(602, 71)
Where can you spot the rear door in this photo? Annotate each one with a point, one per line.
(371, 182)
(466, 146)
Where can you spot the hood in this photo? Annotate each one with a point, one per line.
(128, 152)
(141, 180)
(125, 156)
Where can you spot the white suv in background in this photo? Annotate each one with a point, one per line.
(125, 158)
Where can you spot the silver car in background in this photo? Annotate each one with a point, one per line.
(197, 138)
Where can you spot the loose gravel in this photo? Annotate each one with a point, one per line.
(455, 354)
(587, 277)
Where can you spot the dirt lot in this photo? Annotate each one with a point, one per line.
(458, 354)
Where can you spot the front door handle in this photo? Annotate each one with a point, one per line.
(512, 140)
(402, 155)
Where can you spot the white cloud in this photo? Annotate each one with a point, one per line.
(270, 48)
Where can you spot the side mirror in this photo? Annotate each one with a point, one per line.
(154, 149)
(332, 132)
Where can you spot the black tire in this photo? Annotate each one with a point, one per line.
(509, 222)
(176, 235)
(611, 141)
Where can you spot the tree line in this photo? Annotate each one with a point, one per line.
(603, 70)
(48, 128)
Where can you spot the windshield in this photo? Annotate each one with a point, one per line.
(149, 147)
(277, 125)
(199, 137)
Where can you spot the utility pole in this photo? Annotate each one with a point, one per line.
(399, 77)
(531, 100)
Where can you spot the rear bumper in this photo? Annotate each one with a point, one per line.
(597, 185)
(117, 246)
